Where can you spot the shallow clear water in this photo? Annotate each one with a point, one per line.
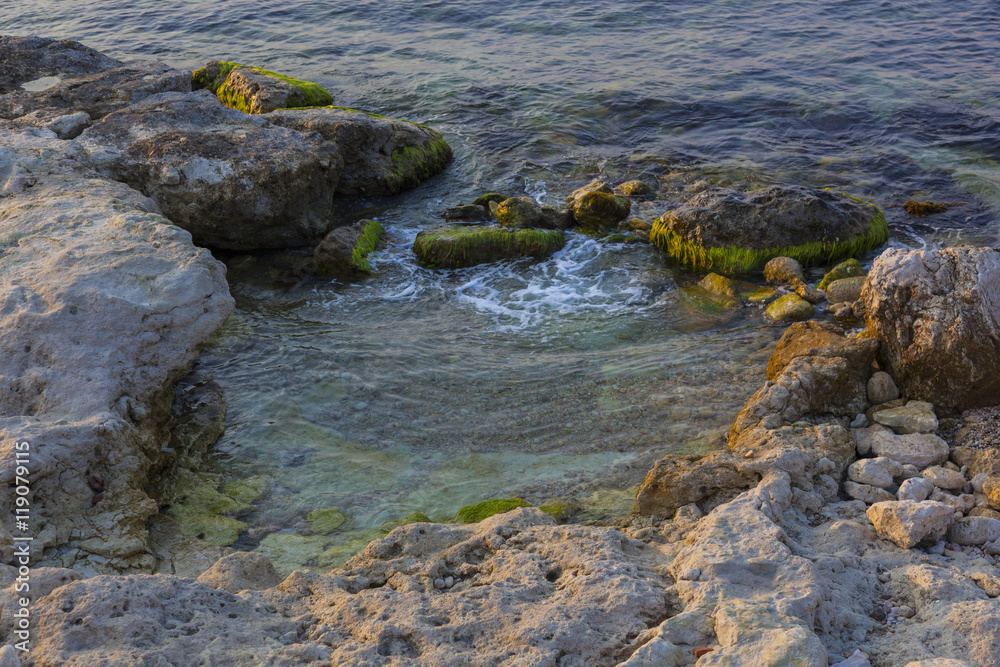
(422, 391)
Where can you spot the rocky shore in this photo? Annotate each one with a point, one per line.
(853, 518)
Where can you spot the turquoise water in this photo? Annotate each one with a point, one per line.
(564, 379)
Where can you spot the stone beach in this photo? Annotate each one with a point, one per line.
(852, 517)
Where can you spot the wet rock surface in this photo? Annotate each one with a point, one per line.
(25, 59)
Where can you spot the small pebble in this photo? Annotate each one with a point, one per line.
(439, 583)
(883, 577)
(360, 405)
(449, 582)
(861, 421)
(907, 611)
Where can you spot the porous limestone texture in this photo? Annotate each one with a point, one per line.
(937, 314)
(381, 156)
(914, 417)
(103, 306)
(917, 449)
(26, 59)
(906, 522)
(233, 180)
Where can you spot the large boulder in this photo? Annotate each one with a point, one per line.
(26, 59)
(937, 314)
(233, 180)
(457, 247)
(103, 306)
(729, 231)
(382, 156)
(255, 90)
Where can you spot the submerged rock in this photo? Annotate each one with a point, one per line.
(345, 250)
(457, 247)
(729, 231)
(937, 314)
(255, 90)
(519, 212)
(382, 156)
(234, 181)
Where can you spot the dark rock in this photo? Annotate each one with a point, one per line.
(466, 213)
(599, 210)
(456, 247)
(24, 59)
(344, 251)
(255, 90)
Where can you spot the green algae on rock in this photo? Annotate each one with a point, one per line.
(486, 199)
(733, 232)
(416, 517)
(519, 212)
(345, 250)
(255, 91)
(326, 520)
(790, 308)
(487, 508)
(599, 210)
(457, 247)
(849, 268)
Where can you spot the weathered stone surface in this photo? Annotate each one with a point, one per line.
(783, 271)
(232, 180)
(596, 185)
(914, 417)
(241, 571)
(457, 247)
(878, 472)
(944, 478)
(633, 188)
(598, 210)
(679, 480)
(466, 213)
(24, 59)
(65, 124)
(344, 251)
(99, 94)
(938, 662)
(881, 388)
(732, 231)
(809, 293)
(849, 268)
(918, 449)
(916, 489)
(867, 493)
(974, 530)
(937, 313)
(519, 212)
(103, 306)
(790, 308)
(521, 584)
(256, 91)
(381, 156)
(991, 487)
(907, 523)
(845, 290)
(820, 339)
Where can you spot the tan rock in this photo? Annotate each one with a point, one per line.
(241, 571)
(867, 493)
(845, 290)
(974, 530)
(919, 449)
(943, 478)
(906, 522)
(679, 480)
(914, 417)
(878, 472)
(783, 271)
(915, 488)
(881, 388)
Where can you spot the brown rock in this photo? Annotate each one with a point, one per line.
(240, 571)
(817, 339)
(676, 481)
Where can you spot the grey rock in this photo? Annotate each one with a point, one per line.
(845, 290)
(943, 478)
(907, 522)
(24, 59)
(344, 251)
(914, 417)
(466, 213)
(867, 493)
(860, 421)
(918, 449)
(916, 488)
(881, 388)
(65, 125)
(857, 659)
(878, 472)
(974, 530)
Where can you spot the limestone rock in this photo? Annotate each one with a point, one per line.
(881, 388)
(918, 449)
(518, 212)
(915, 488)
(783, 271)
(65, 123)
(381, 156)
(819, 339)
(596, 185)
(254, 90)
(974, 530)
(99, 94)
(906, 522)
(943, 478)
(232, 180)
(849, 268)
(938, 662)
(856, 659)
(790, 308)
(914, 417)
(878, 472)
(24, 59)
(845, 290)
(730, 231)
(457, 247)
(867, 493)
(679, 480)
(937, 314)
(991, 487)
(241, 571)
(598, 210)
(633, 188)
(344, 251)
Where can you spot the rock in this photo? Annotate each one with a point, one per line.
(345, 250)
(519, 212)
(519, 583)
(783, 271)
(677, 481)
(241, 571)
(640, 225)
(937, 314)
(878, 472)
(860, 421)
(466, 213)
(760, 295)
(382, 156)
(915, 488)
(790, 308)
(881, 388)
(938, 662)
(634, 188)
(595, 185)
(25, 59)
(8, 657)
(978, 481)
(991, 487)
(553, 218)
(977, 461)
(914, 417)
(918, 449)
(234, 181)
(849, 268)
(974, 530)
(103, 306)
(457, 247)
(66, 125)
(943, 478)
(255, 90)
(842, 311)
(819, 339)
(599, 210)
(99, 94)
(867, 493)
(906, 522)
(857, 659)
(734, 232)
(720, 286)
(961, 504)
(845, 289)
(810, 294)
(326, 520)
(907, 611)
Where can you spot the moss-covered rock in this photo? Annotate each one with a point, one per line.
(847, 269)
(456, 247)
(845, 290)
(519, 212)
(720, 286)
(256, 91)
(783, 271)
(486, 199)
(760, 295)
(200, 509)
(345, 250)
(600, 210)
(732, 232)
(559, 510)
(790, 308)
(247, 491)
(634, 188)
(486, 509)
(326, 520)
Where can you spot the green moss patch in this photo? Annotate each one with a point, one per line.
(412, 165)
(215, 77)
(484, 200)
(850, 268)
(456, 247)
(371, 236)
(416, 517)
(486, 509)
